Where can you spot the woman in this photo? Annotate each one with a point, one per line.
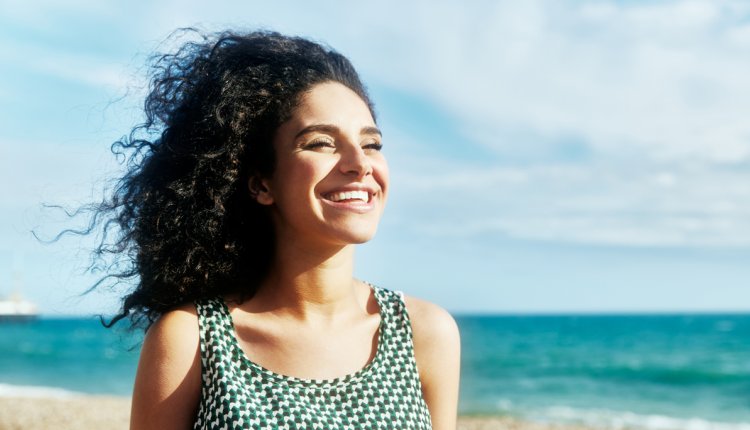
(257, 171)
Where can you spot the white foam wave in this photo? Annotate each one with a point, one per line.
(617, 420)
(36, 391)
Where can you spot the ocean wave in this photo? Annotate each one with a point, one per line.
(36, 391)
(672, 376)
(616, 420)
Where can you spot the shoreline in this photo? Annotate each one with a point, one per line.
(83, 412)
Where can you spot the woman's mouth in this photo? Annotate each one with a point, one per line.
(349, 196)
(357, 201)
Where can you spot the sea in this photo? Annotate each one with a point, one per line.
(665, 372)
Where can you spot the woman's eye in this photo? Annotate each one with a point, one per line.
(374, 146)
(319, 144)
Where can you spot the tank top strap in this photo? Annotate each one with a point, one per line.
(211, 313)
(216, 329)
(396, 323)
(216, 326)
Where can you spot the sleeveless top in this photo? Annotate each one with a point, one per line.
(237, 393)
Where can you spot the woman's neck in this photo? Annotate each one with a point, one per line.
(310, 284)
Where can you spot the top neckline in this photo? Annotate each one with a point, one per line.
(307, 382)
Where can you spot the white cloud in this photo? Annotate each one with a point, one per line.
(656, 92)
(652, 204)
(43, 14)
(664, 79)
(80, 68)
(53, 173)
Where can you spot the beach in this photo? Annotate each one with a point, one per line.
(70, 413)
(110, 412)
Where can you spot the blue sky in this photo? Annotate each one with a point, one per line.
(546, 156)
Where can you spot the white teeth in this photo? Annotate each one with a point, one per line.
(349, 195)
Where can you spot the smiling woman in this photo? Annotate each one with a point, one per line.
(330, 178)
(239, 221)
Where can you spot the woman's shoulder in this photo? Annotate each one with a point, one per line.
(171, 345)
(430, 322)
(437, 350)
(180, 324)
(174, 337)
(167, 384)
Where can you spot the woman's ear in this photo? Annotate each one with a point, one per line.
(260, 190)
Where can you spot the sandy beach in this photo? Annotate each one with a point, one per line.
(70, 413)
(92, 412)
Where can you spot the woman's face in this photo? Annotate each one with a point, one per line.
(330, 180)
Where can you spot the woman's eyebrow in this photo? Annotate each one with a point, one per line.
(326, 128)
(371, 130)
(329, 128)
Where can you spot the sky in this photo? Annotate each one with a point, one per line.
(545, 157)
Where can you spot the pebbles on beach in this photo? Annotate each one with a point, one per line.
(472, 423)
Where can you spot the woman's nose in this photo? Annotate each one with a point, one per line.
(354, 161)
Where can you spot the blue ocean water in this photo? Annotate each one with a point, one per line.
(73, 354)
(656, 371)
(650, 372)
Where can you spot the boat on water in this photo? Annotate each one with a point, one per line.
(16, 308)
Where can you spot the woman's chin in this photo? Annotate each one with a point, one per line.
(356, 236)
(357, 239)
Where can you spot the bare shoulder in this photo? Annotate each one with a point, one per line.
(437, 342)
(177, 328)
(172, 346)
(431, 323)
(437, 350)
(167, 384)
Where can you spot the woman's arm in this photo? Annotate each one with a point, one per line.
(168, 383)
(437, 348)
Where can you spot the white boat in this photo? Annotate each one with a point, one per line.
(16, 308)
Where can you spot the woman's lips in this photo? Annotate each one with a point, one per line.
(358, 201)
(339, 196)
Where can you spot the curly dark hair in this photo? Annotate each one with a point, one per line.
(186, 225)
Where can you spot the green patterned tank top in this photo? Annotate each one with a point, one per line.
(240, 394)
